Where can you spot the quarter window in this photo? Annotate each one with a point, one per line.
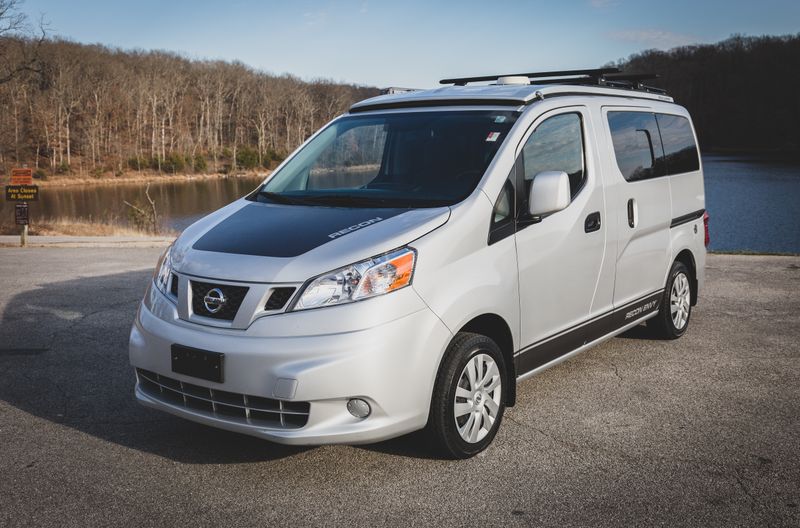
(502, 208)
(680, 149)
(556, 145)
(502, 224)
(637, 145)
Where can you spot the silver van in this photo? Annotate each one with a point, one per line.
(420, 255)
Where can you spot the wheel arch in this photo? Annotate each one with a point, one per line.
(496, 328)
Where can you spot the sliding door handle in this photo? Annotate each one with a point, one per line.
(592, 222)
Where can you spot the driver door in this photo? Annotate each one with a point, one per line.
(561, 256)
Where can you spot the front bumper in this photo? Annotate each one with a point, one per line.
(390, 361)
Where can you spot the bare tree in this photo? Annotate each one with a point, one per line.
(91, 106)
(17, 55)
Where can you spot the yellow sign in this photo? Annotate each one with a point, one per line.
(22, 193)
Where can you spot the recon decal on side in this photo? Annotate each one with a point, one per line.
(274, 230)
(552, 348)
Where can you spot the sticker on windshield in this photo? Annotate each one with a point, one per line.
(500, 119)
(492, 137)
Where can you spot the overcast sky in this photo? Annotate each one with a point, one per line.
(408, 42)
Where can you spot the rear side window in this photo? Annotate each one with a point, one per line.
(556, 145)
(637, 145)
(680, 149)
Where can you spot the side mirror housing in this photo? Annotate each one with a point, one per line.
(549, 193)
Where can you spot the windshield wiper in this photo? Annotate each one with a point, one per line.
(284, 199)
(406, 202)
(347, 199)
(352, 200)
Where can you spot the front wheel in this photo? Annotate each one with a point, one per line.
(467, 404)
(676, 306)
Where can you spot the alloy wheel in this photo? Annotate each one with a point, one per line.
(680, 301)
(477, 399)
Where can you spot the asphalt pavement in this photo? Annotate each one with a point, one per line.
(703, 431)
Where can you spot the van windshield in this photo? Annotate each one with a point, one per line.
(416, 159)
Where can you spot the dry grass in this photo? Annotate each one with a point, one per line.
(78, 227)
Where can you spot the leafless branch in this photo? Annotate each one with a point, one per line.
(143, 216)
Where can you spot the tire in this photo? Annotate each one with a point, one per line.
(479, 404)
(676, 305)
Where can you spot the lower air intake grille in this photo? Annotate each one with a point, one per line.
(223, 405)
(278, 298)
(233, 297)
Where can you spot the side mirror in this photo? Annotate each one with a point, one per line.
(549, 193)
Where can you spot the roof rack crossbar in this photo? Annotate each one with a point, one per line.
(610, 77)
(597, 72)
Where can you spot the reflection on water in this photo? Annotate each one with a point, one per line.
(753, 202)
(178, 203)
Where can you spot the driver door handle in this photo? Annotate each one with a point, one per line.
(632, 213)
(592, 222)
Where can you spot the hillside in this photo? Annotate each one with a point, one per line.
(93, 111)
(742, 92)
(88, 111)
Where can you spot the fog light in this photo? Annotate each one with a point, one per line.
(358, 408)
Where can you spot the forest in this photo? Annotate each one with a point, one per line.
(91, 110)
(742, 92)
(97, 111)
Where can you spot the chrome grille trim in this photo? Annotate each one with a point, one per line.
(223, 405)
(261, 299)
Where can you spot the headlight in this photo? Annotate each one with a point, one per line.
(362, 280)
(163, 270)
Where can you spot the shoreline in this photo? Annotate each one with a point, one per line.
(141, 178)
(131, 237)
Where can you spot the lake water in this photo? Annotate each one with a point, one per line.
(753, 203)
(178, 203)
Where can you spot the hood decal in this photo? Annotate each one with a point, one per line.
(268, 230)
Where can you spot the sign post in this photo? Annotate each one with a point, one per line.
(21, 219)
(22, 190)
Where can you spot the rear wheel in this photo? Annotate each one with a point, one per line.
(467, 404)
(676, 305)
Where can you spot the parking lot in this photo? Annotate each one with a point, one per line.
(701, 431)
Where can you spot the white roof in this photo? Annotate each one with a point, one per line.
(495, 94)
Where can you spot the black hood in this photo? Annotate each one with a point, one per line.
(269, 230)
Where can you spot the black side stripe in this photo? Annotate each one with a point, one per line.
(685, 219)
(551, 348)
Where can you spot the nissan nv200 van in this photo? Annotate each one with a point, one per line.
(420, 255)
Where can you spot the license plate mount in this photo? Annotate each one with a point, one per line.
(198, 363)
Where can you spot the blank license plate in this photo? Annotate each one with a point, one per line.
(197, 363)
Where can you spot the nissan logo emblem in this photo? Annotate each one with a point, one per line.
(214, 300)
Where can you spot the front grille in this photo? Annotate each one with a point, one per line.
(173, 285)
(234, 295)
(223, 405)
(278, 298)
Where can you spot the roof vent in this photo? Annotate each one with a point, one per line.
(392, 90)
(513, 79)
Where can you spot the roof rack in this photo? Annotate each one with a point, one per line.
(610, 77)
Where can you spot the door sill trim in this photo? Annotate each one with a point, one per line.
(585, 347)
